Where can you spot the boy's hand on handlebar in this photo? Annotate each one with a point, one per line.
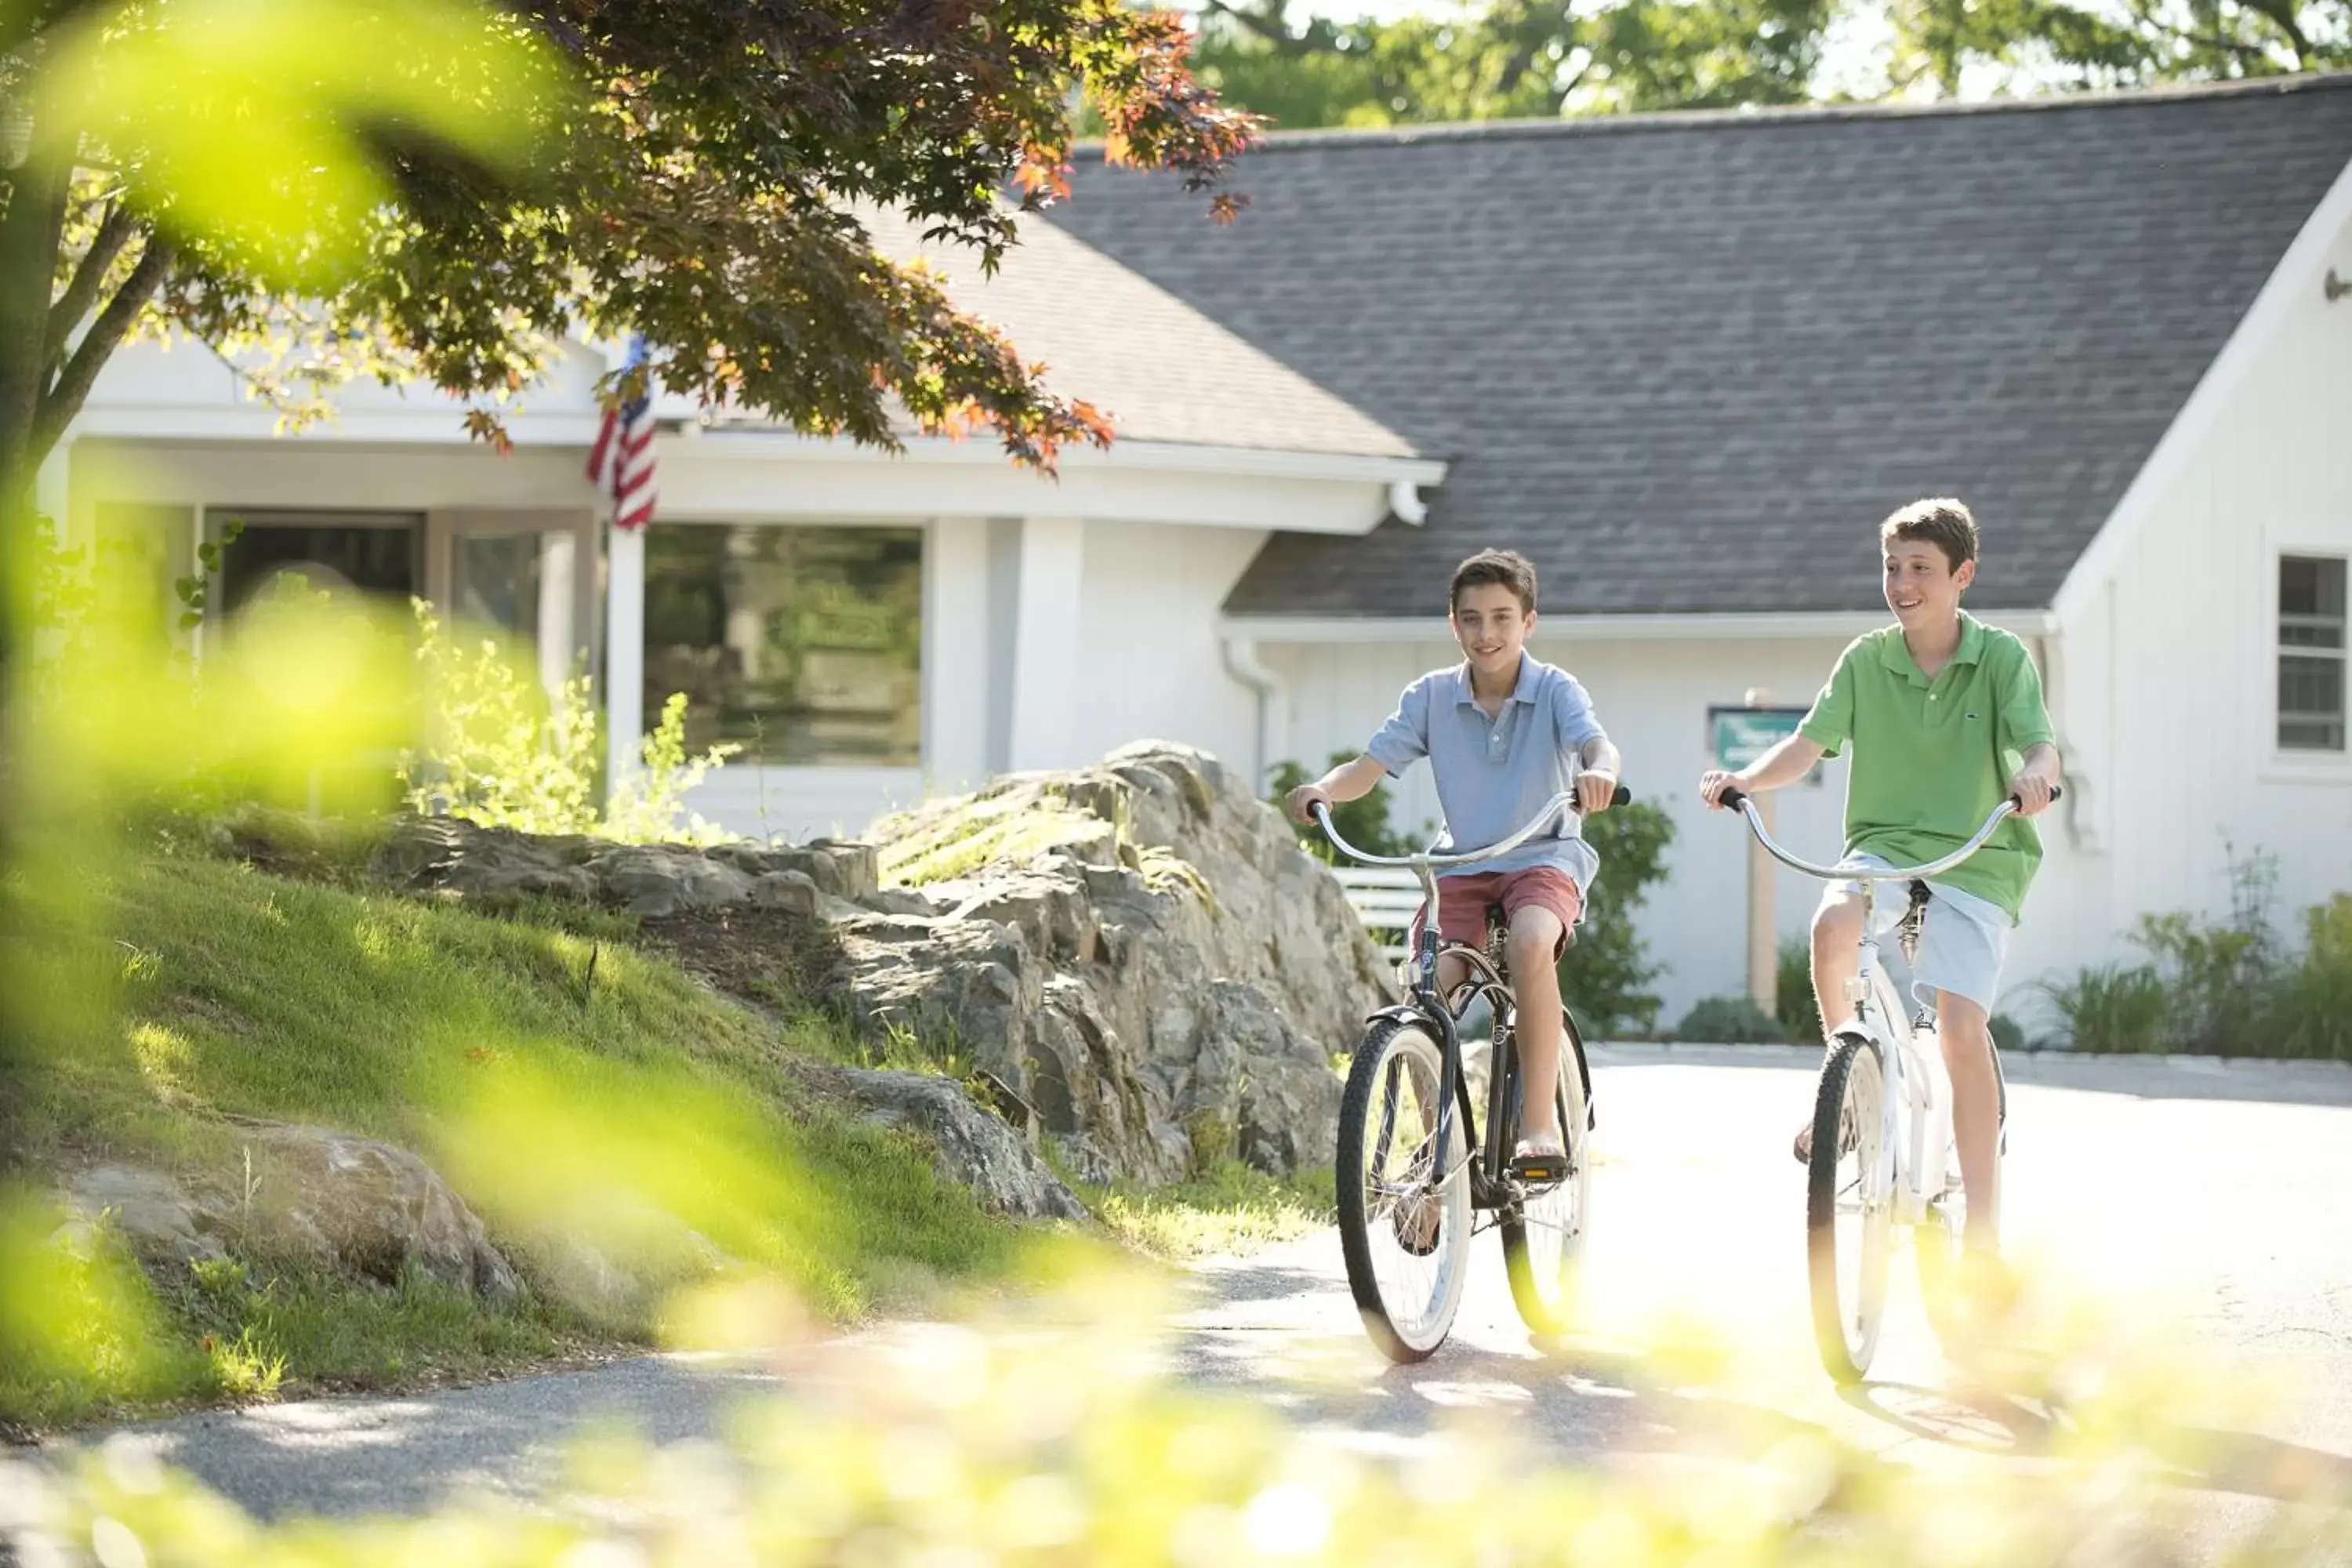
(1713, 783)
(1595, 791)
(2033, 792)
(1301, 803)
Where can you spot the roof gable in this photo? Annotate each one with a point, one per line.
(1160, 369)
(1686, 363)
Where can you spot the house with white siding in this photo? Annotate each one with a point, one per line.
(1686, 363)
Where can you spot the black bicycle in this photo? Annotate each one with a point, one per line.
(1412, 1170)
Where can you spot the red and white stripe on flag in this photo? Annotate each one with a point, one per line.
(621, 463)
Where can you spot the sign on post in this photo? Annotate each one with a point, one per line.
(1738, 736)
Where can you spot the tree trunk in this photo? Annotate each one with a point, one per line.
(32, 227)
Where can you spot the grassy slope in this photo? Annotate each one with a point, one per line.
(528, 1062)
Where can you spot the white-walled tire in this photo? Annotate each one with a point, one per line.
(1404, 1225)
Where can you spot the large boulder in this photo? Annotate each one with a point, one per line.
(1139, 948)
(304, 1195)
(1138, 953)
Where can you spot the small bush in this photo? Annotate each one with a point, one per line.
(2007, 1034)
(1797, 1008)
(1607, 972)
(1362, 822)
(1730, 1021)
(501, 754)
(2227, 989)
(2113, 1007)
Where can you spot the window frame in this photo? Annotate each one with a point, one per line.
(2290, 763)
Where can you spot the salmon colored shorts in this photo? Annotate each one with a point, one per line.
(1463, 902)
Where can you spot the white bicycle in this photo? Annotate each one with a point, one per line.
(1882, 1151)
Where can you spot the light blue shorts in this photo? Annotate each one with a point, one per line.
(1963, 939)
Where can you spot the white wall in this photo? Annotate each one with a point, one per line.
(2180, 624)
(1652, 696)
(1149, 662)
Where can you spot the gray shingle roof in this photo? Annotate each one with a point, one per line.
(1688, 362)
(1158, 368)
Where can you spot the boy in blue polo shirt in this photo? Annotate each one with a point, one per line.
(1504, 733)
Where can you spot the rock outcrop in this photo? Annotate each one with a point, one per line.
(1139, 949)
(303, 1195)
(1136, 954)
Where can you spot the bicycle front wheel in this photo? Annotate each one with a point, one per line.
(1404, 1223)
(1543, 1234)
(1849, 1208)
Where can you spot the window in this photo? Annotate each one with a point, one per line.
(371, 554)
(2310, 654)
(802, 645)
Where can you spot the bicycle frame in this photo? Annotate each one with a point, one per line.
(1919, 1089)
(1488, 1188)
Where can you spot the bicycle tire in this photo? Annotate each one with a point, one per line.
(1406, 1329)
(1853, 1068)
(1543, 1286)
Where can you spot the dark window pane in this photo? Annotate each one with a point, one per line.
(494, 581)
(803, 644)
(2311, 586)
(2311, 702)
(374, 556)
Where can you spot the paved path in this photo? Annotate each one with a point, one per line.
(2200, 1199)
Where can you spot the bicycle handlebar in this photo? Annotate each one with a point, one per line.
(1739, 800)
(1565, 800)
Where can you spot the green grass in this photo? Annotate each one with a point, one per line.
(1229, 1207)
(564, 1081)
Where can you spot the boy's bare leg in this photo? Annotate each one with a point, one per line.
(1535, 991)
(1837, 937)
(1966, 1035)
(1837, 933)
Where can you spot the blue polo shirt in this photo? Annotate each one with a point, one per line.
(1494, 775)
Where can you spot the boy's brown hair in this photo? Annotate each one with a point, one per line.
(1940, 522)
(1507, 567)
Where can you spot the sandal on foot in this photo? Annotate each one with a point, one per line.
(1539, 1162)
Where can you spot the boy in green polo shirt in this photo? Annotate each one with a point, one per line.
(1946, 719)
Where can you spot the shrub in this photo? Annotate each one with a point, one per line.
(1795, 1006)
(2113, 1007)
(1607, 971)
(2229, 989)
(501, 752)
(1729, 1021)
(1362, 822)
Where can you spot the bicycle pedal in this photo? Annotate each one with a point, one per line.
(1545, 1174)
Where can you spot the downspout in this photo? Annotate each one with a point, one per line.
(1404, 501)
(1242, 662)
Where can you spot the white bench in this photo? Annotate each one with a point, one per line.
(1385, 898)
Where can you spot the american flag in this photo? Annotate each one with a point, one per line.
(621, 461)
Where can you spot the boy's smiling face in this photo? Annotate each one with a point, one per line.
(1922, 588)
(1492, 627)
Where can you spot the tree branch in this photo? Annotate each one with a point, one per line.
(113, 233)
(2282, 16)
(64, 398)
(1273, 29)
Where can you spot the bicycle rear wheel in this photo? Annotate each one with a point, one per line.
(1543, 1235)
(1404, 1225)
(1849, 1208)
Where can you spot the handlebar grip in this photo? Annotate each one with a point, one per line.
(1623, 797)
(1732, 798)
(2057, 794)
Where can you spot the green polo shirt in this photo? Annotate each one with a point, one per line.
(1932, 758)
